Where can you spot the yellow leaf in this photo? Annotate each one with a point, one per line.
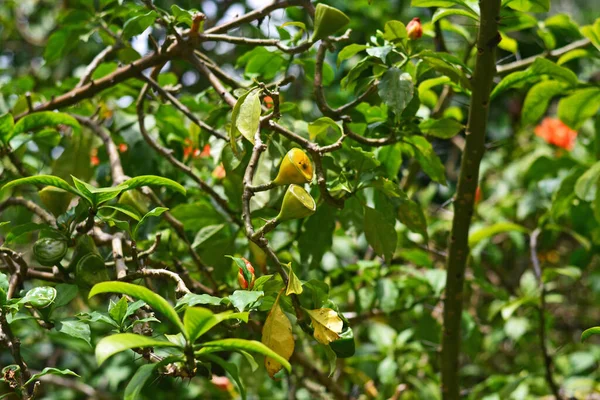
(294, 285)
(328, 325)
(277, 335)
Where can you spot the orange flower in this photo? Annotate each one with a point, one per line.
(478, 195)
(222, 383)
(94, 160)
(123, 147)
(414, 29)
(219, 172)
(205, 151)
(553, 131)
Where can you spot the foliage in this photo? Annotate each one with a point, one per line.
(265, 197)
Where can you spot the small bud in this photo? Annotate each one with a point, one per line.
(268, 100)
(122, 147)
(478, 195)
(242, 280)
(414, 29)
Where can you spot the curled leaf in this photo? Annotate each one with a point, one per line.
(277, 335)
(328, 325)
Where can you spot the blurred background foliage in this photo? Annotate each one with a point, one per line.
(394, 307)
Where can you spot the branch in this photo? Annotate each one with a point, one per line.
(313, 372)
(14, 345)
(458, 246)
(181, 107)
(181, 288)
(167, 153)
(31, 206)
(94, 87)
(116, 167)
(253, 15)
(524, 63)
(89, 70)
(256, 42)
(548, 363)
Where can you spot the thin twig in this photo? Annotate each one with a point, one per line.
(548, 362)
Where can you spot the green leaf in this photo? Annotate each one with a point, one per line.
(429, 161)
(538, 98)
(182, 15)
(111, 345)
(394, 31)
(437, 3)
(129, 211)
(206, 233)
(152, 299)
(534, 6)
(118, 310)
(535, 72)
(443, 128)
(586, 187)
(156, 212)
(4, 284)
(592, 32)
(486, 232)
(576, 108)
(589, 332)
(96, 195)
(441, 13)
(47, 180)
(50, 371)
(396, 89)
(75, 328)
(242, 345)
(138, 24)
(321, 125)
(328, 20)
(138, 380)
(248, 118)
(380, 232)
(411, 215)
(349, 52)
(191, 299)
(6, 127)
(198, 320)
(153, 180)
(243, 298)
(43, 119)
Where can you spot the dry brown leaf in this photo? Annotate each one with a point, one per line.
(277, 335)
(328, 325)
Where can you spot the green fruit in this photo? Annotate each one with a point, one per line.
(328, 20)
(84, 245)
(344, 347)
(49, 251)
(297, 203)
(55, 200)
(40, 297)
(90, 270)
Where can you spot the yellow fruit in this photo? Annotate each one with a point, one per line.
(55, 200)
(295, 168)
(297, 203)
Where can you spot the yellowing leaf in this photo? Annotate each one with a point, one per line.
(294, 285)
(277, 335)
(328, 325)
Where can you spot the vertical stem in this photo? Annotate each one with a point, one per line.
(458, 246)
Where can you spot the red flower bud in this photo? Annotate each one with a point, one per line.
(222, 383)
(123, 147)
(242, 280)
(268, 100)
(205, 151)
(414, 29)
(555, 132)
